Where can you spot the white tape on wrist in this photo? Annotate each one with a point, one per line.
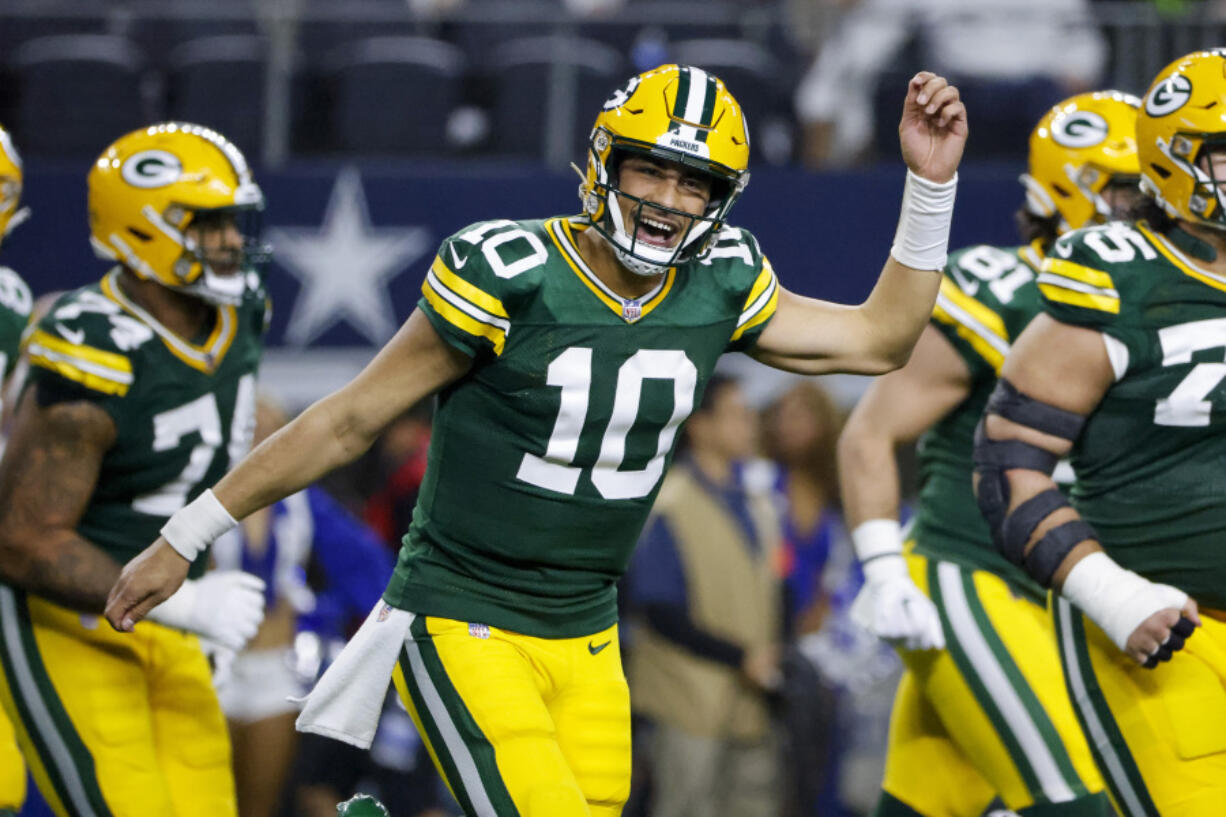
(1116, 599)
(876, 538)
(196, 525)
(922, 240)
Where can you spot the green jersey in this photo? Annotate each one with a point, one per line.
(183, 412)
(546, 457)
(1151, 459)
(988, 296)
(15, 305)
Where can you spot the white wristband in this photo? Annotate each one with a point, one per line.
(196, 525)
(1116, 599)
(877, 537)
(922, 240)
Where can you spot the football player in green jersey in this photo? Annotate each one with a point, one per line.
(1123, 372)
(15, 304)
(140, 392)
(566, 353)
(988, 714)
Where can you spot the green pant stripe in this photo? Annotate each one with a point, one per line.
(472, 754)
(1038, 714)
(1110, 750)
(67, 760)
(993, 687)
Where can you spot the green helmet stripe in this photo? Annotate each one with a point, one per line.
(683, 97)
(708, 107)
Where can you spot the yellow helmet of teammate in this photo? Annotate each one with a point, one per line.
(1080, 148)
(677, 113)
(1182, 117)
(148, 188)
(10, 186)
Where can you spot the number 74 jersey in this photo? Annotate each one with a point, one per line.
(545, 459)
(183, 412)
(1151, 460)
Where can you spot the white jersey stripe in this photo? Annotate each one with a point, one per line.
(970, 322)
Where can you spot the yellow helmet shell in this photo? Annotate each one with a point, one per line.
(10, 184)
(677, 113)
(147, 187)
(1079, 147)
(1184, 110)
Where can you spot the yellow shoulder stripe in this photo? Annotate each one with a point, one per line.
(1077, 272)
(760, 284)
(763, 315)
(466, 290)
(981, 313)
(107, 372)
(1087, 300)
(461, 320)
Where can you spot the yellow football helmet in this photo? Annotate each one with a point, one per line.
(1183, 116)
(151, 185)
(1080, 148)
(677, 113)
(10, 186)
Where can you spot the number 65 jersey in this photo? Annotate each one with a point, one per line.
(1151, 460)
(546, 457)
(183, 412)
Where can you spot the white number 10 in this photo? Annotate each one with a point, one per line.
(572, 372)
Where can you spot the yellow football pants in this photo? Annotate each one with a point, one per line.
(1159, 735)
(520, 726)
(12, 768)
(113, 725)
(989, 715)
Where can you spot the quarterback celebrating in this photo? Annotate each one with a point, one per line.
(141, 391)
(566, 352)
(1124, 371)
(991, 711)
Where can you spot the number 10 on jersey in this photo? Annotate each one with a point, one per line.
(571, 371)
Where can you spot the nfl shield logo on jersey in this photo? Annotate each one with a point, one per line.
(632, 311)
(385, 612)
(479, 630)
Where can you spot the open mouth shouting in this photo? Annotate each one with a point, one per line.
(658, 231)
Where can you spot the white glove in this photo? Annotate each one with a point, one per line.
(225, 606)
(890, 605)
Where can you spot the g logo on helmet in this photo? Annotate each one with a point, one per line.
(1169, 96)
(622, 95)
(151, 168)
(1080, 129)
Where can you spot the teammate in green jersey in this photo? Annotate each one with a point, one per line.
(989, 712)
(1123, 371)
(566, 353)
(140, 392)
(15, 304)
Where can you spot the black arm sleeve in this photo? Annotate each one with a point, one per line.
(674, 623)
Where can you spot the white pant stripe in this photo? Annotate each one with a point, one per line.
(61, 756)
(1081, 699)
(996, 681)
(464, 762)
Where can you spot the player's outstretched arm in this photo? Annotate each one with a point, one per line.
(1054, 377)
(810, 336)
(49, 472)
(335, 430)
(896, 409)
